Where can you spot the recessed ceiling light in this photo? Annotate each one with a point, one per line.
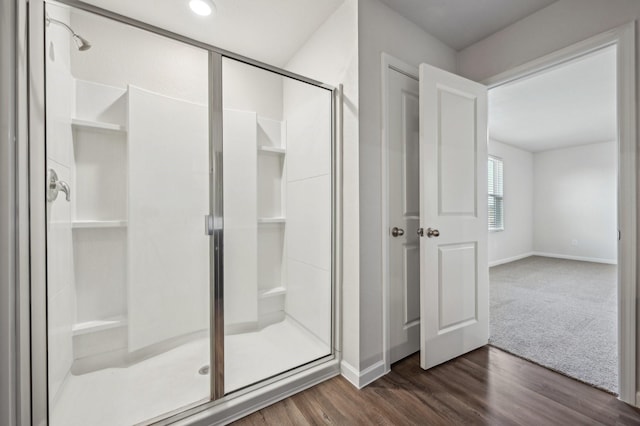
(202, 7)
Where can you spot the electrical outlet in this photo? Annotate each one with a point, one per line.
(574, 243)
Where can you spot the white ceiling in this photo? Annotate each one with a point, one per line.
(269, 31)
(460, 23)
(273, 30)
(572, 104)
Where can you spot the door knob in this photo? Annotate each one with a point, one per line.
(430, 232)
(397, 232)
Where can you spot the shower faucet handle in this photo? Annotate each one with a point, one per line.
(54, 186)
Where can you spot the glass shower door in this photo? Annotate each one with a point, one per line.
(277, 198)
(145, 137)
(127, 142)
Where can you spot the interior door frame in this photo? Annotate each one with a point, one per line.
(623, 37)
(389, 63)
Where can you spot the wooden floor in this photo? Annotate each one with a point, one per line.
(487, 387)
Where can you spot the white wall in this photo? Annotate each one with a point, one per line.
(561, 24)
(331, 56)
(558, 203)
(380, 30)
(122, 55)
(575, 202)
(516, 240)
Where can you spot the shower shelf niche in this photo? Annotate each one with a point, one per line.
(92, 224)
(97, 125)
(99, 224)
(271, 220)
(98, 325)
(271, 210)
(272, 150)
(273, 292)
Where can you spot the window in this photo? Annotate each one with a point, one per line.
(496, 204)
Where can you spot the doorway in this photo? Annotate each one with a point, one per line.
(553, 218)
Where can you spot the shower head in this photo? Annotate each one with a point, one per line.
(81, 43)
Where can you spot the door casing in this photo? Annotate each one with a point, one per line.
(624, 38)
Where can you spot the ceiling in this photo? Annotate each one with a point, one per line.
(269, 31)
(572, 104)
(272, 31)
(460, 23)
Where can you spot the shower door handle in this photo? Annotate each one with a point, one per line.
(208, 224)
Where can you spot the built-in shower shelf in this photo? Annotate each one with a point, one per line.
(90, 224)
(271, 220)
(97, 125)
(272, 292)
(97, 325)
(271, 150)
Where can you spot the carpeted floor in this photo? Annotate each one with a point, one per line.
(561, 314)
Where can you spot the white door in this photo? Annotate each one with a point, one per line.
(454, 273)
(404, 208)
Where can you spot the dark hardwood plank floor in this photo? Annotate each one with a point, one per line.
(486, 387)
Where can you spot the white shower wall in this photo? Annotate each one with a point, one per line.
(168, 196)
(307, 113)
(240, 221)
(61, 293)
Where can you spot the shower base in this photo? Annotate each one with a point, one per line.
(168, 381)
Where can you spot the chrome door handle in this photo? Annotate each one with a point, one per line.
(430, 232)
(397, 232)
(208, 225)
(54, 186)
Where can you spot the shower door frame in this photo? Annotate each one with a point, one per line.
(246, 399)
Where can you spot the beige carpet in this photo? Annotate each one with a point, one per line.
(561, 314)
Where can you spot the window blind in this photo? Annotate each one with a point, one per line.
(495, 202)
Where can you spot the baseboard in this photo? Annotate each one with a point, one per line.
(362, 378)
(580, 258)
(510, 259)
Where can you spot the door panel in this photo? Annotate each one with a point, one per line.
(404, 207)
(412, 286)
(457, 154)
(453, 267)
(458, 286)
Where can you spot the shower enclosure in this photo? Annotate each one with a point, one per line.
(189, 221)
